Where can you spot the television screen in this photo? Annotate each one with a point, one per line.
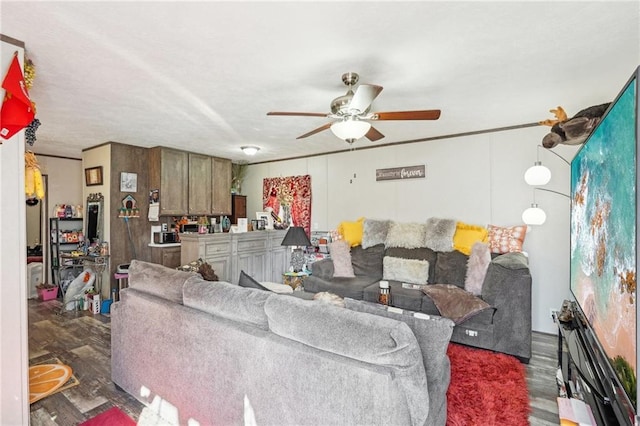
(603, 234)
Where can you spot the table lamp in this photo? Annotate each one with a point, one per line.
(296, 237)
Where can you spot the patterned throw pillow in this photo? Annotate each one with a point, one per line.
(506, 240)
(467, 235)
(341, 257)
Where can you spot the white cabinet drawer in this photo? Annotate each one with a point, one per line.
(216, 249)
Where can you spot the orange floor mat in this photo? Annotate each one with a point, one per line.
(46, 379)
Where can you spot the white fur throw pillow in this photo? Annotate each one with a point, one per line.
(477, 266)
(405, 235)
(439, 234)
(341, 257)
(405, 270)
(374, 232)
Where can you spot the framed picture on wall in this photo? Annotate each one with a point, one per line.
(128, 182)
(93, 176)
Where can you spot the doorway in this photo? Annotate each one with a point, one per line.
(37, 238)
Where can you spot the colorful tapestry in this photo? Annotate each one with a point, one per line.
(290, 199)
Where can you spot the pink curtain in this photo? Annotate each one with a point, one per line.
(294, 191)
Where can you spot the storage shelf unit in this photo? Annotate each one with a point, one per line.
(64, 236)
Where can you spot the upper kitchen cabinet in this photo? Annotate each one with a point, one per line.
(221, 184)
(169, 172)
(200, 179)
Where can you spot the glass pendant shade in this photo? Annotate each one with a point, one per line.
(537, 174)
(350, 129)
(250, 150)
(534, 215)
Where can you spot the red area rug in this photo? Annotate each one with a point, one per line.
(112, 417)
(486, 389)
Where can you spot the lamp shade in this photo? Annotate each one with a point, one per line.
(296, 236)
(350, 129)
(534, 215)
(537, 174)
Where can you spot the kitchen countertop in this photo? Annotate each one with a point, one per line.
(164, 245)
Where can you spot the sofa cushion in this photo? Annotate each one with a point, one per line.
(367, 261)
(455, 303)
(374, 232)
(245, 305)
(433, 334)
(477, 265)
(345, 287)
(158, 280)
(451, 268)
(405, 270)
(506, 239)
(248, 281)
(467, 235)
(439, 234)
(369, 338)
(341, 258)
(422, 253)
(407, 235)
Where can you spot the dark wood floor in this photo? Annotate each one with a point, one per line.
(82, 340)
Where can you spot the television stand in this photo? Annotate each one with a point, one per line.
(579, 374)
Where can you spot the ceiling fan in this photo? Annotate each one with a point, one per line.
(352, 112)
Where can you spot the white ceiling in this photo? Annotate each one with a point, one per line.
(201, 76)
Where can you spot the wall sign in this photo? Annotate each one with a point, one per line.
(406, 172)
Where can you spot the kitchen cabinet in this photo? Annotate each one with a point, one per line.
(238, 207)
(258, 253)
(221, 186)
(200, 184)
(166, 256)
(169, 172)
(250, 252)
(215, 249)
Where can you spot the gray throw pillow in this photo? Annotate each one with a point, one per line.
(439, 234)
(246, 281)
(374, 232)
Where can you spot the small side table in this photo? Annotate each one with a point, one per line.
(123, 281)
(295, 279)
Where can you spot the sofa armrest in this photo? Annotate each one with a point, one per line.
(507, 287)
(323, 268)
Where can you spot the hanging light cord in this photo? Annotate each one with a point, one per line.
(553, 152)
(133, 247)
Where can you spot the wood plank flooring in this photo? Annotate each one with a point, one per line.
(83, 340)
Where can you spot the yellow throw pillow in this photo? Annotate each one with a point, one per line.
(352, 231)
(467, 235)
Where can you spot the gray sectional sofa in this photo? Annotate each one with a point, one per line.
(229, 355)
(505, 326)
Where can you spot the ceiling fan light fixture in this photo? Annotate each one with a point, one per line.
(350, 129)
(250, 149)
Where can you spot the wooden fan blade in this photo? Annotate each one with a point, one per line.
(365, 94)
(429, 114)
(301, 114)
(373, 134)
(318, 130)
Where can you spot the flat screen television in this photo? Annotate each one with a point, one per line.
(604, 247)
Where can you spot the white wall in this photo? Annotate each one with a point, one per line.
(476, 179)
(14, 351)
(64, 186)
